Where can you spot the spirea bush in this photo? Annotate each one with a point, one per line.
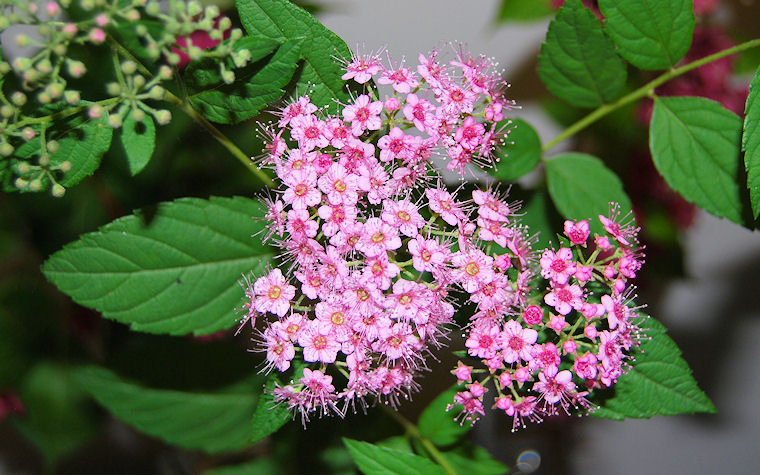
(381, 232)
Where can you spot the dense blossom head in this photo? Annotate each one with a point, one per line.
(378, 250)
(542, 365)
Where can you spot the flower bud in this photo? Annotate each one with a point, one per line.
(58, 191)
(156, 92)
(113, 89)
(22, 64)
(44, 160)
(101, 20)
(194, 8)
(194, 53)
(163, 116)
(65, 167)
(35, 185)
(22, 168)
(6, 149)
(6, 111)
(133, 15)
(228, 77)
(21, 183)
(95, 112)
(76, 69)
(173, 58)
(44, 66)
(236, 34)
(53, 146)
(137, 115)
(28, 133)
(97, 36)
(114, 121)
(153, 8)
(128, 67)
(71, 97)
(18, 98)
(69, 30)
(224, 24)
(165, 72)
(212, 11)
(241, 58)
(22, 41)
(139, 81)
(52, 9)
(59, 49)
(55, 90)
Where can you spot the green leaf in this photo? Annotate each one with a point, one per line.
(650, 34)
(268, 417)
(659, 383)
(474, 460)
(521, 154)
(205, 73)
(236, 102)
(255, 467)
(139, 141)
(177, 275)
(396, 442)
(438, 425)
(213, 422)
(83, 147)
(524, 10)
(751, 143)
(58, 417)
(582, 187)
(281, 21)
(374, 460)
(578, 62)
(695, 147)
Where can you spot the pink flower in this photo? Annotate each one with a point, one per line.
(402, 215)
(318, 343)
(585, 366)
(363, 115)
(280, 351)
(300, 107)
(463, 372)
(557, 266)
(441, 202)
(558, 323)
(273, 293)
(483, 341)
(553, 386)
(378, 238)
(491, 206)
(302, 191)
(533, 315)
(402, 79)
(361, 68)
(577, 232)
(564, 298)
(471, 406)
(339, 186)
(427, 254)
(517, 342)
(418, 111)
(470, 133)
(374, 180)
(299, 225)
(473, 269)
(310, 132)
(394, 145)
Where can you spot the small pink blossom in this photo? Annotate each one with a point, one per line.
(517, 342)
(273, 293)
(564, 298)
(402, 79)
(577, 232)
(363, 115)
(361, 68)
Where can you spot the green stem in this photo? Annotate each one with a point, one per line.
(645, 90)
(413, 431)
(188, 109)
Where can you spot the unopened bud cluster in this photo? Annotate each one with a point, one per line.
(40, 86)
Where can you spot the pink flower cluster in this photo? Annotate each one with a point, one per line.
(548, 351)
(371, 258)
